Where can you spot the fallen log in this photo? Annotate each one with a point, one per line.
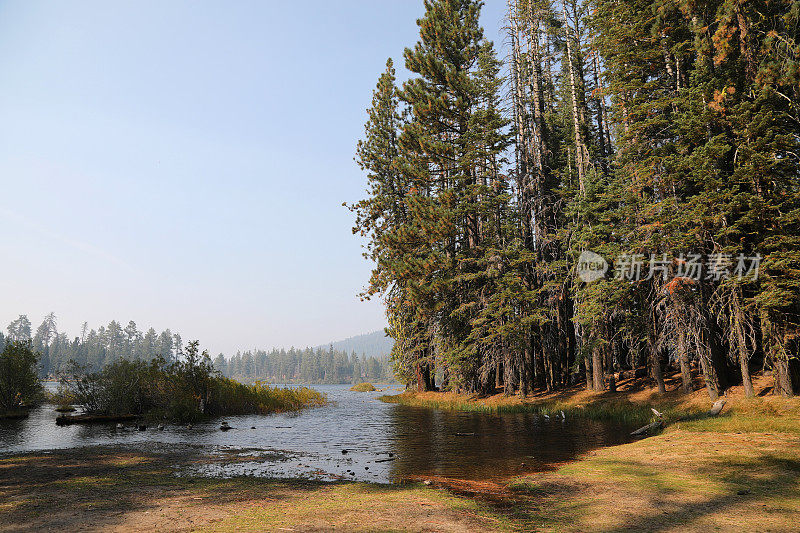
(68, 420)
(658, 424)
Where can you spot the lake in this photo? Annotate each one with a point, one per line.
(381, 442)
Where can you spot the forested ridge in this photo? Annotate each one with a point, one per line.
(94, 349)
(663, 137)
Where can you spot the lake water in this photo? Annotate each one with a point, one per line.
(383, 442)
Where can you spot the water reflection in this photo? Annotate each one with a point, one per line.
(484, 446)
(421, 442)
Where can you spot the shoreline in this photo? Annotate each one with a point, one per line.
(735, 472)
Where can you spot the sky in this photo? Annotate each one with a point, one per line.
(183, 164)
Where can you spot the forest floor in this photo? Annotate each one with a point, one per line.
(736, 472)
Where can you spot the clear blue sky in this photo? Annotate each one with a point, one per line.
(183, 164)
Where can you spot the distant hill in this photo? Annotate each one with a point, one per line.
(375, 344)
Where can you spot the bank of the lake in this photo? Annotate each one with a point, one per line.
(681, 480)
(736, 472)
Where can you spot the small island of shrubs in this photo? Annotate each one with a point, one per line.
(179, 391)
(363, 387)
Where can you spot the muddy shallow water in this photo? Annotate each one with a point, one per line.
(382, 442)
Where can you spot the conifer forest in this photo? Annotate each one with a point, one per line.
(615, 187)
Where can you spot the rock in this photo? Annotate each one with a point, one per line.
(344, 452)
(428, 482)
(253, 427)
(717, 407)
(366, 468)
(224, 427)
(120, 426)
(161, 427)
(189, 426)
(142, 427)
(391, 454)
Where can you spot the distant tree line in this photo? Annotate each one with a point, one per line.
(661, 135)
(94, 349)
(304, 366)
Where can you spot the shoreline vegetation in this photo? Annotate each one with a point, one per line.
(633, 405)
(180, 392)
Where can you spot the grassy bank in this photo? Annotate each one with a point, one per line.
(632, 405)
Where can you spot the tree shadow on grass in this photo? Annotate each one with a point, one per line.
(673, 501)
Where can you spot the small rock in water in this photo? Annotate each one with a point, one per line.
(224, 426)
(344, 452)
(366, 468)
(253, 427)
(161, 427)
(391, 454)
(189, 426)
(120, 426)
(142, 427)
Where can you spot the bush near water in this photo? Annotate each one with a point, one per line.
(182, 391)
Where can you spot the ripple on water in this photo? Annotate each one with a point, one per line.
(309, 444)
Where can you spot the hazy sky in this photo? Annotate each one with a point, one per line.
(183, 164)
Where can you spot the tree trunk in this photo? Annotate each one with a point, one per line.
(587, 362)
(683, 357)
(783, 379)
(597, 370)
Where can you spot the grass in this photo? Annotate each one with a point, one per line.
(678, 481)
(363, 387)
